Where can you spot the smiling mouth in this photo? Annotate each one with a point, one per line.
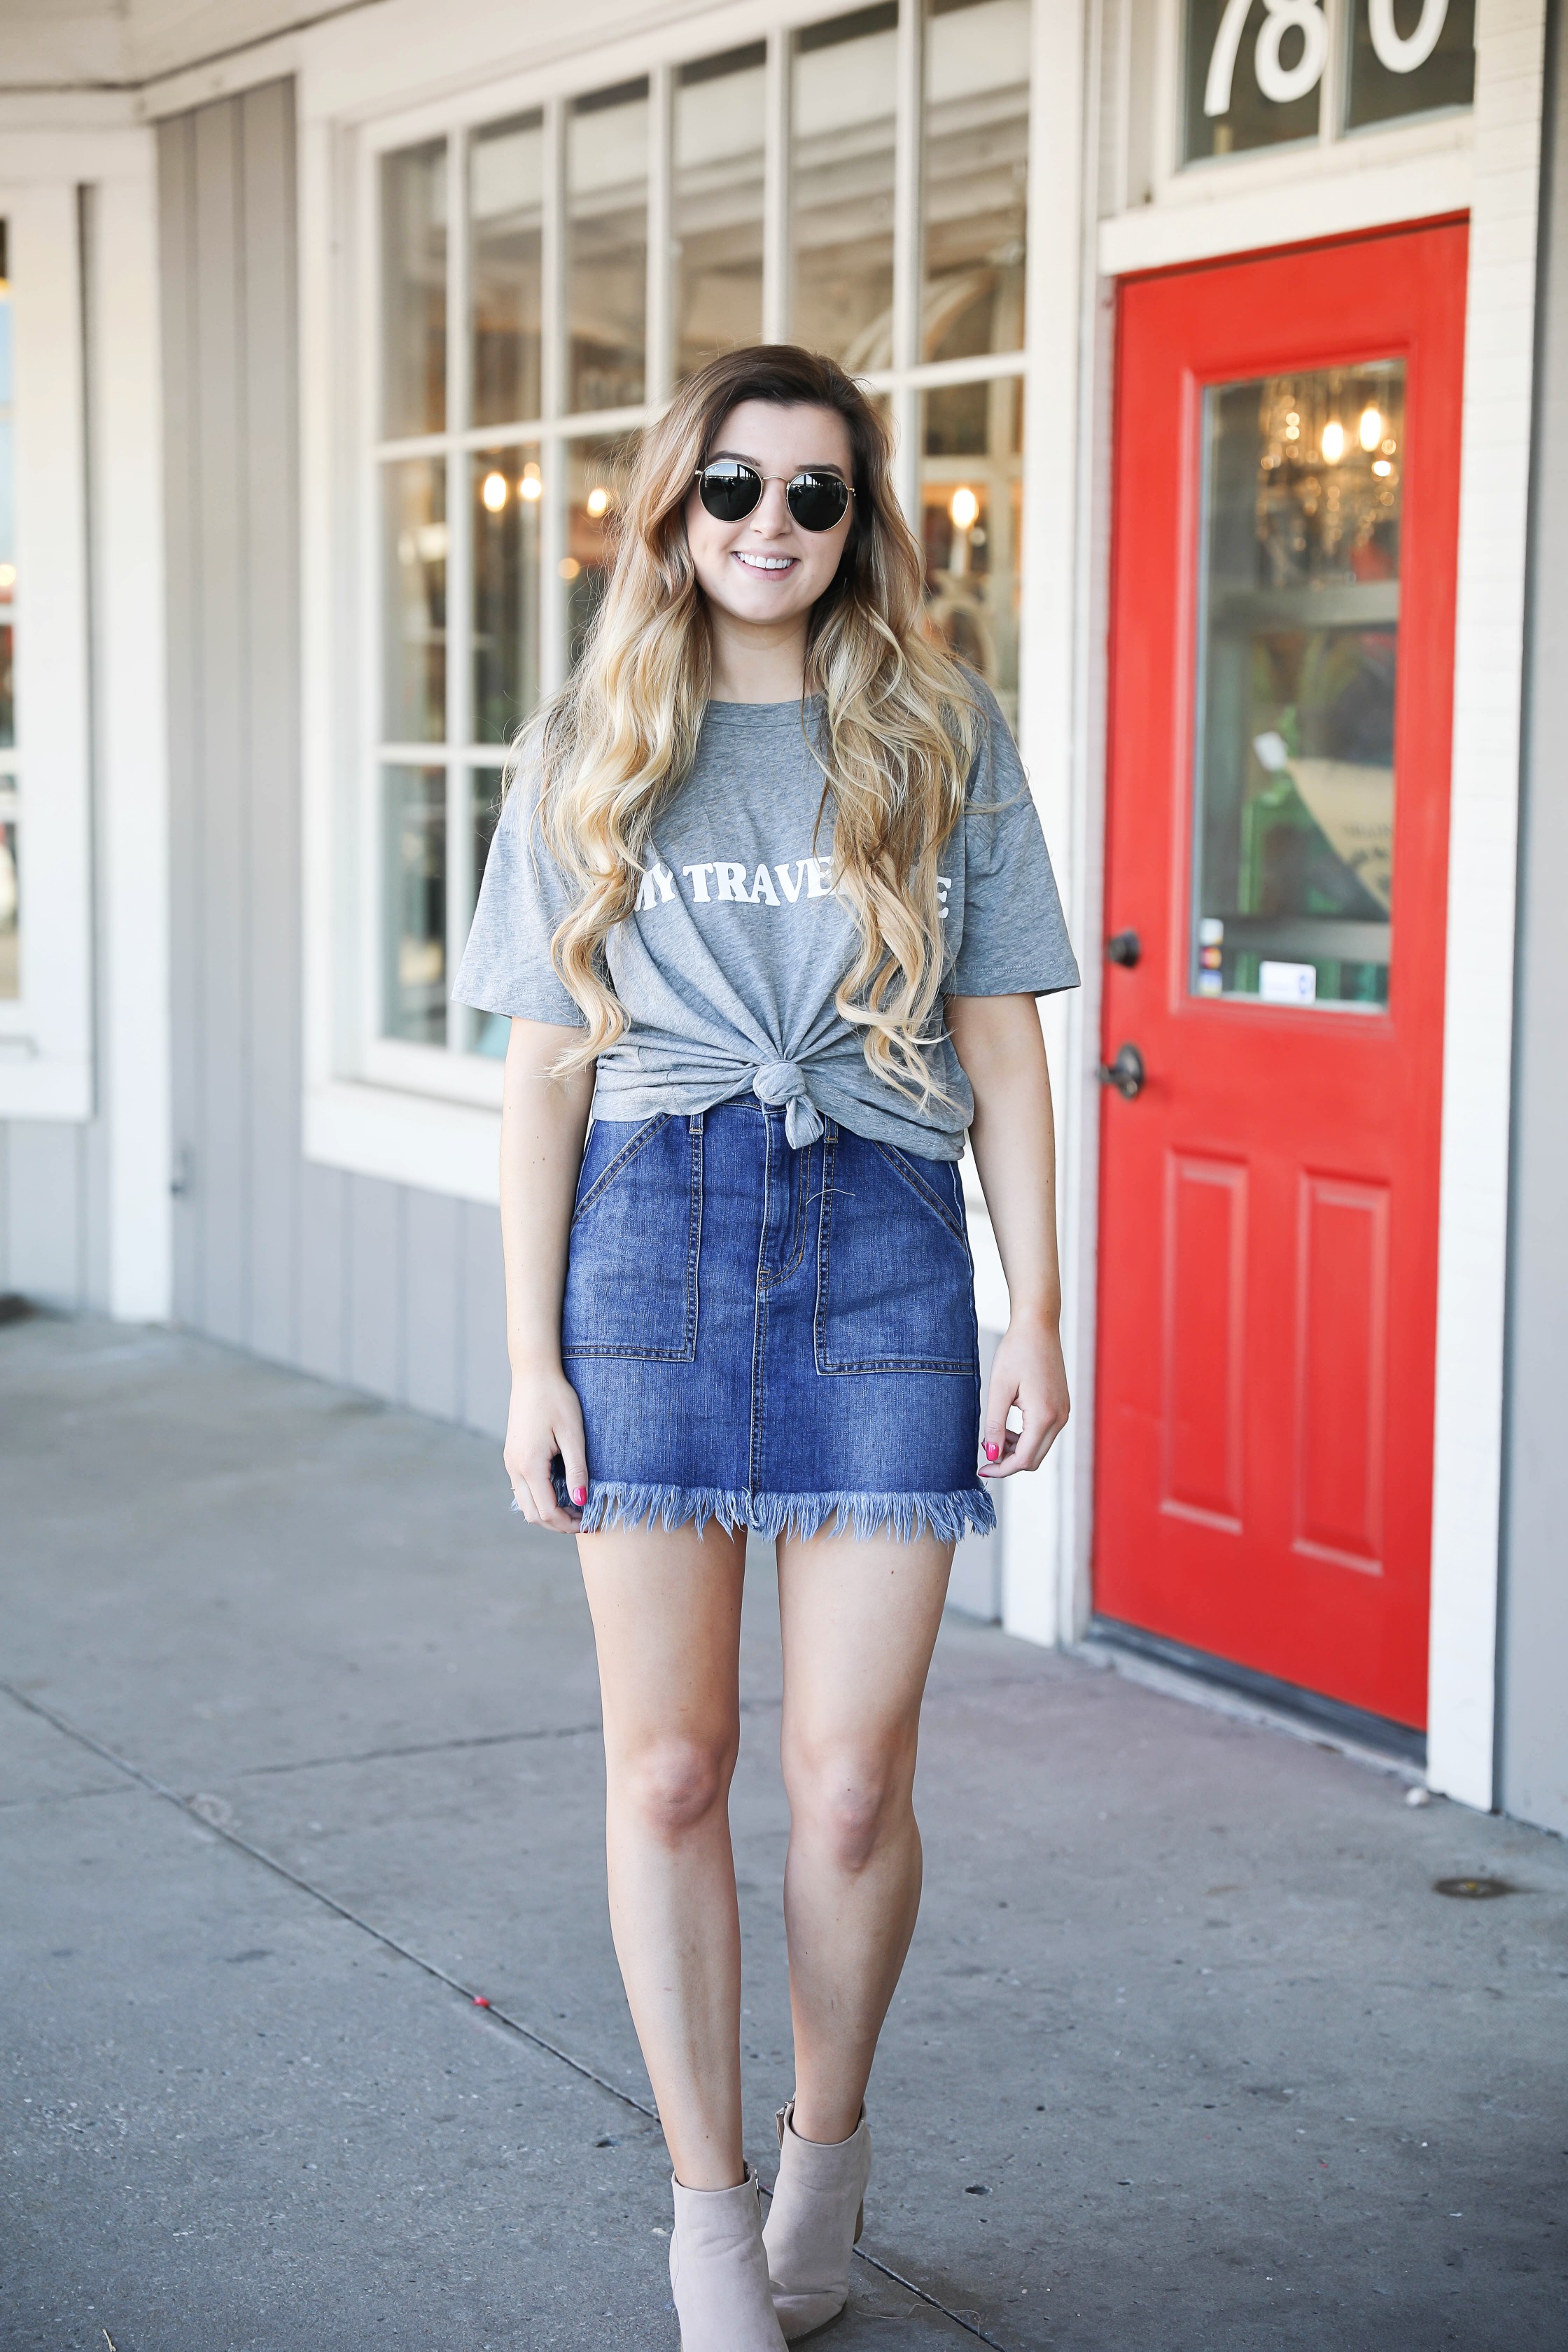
(766, 563)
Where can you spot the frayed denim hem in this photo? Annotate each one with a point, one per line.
(858, 1513)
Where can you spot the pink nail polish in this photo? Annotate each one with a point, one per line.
(579, 1495)
(993, 1451)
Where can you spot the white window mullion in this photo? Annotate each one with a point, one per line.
(775, 192)
(905, 401)
(660, 237)
(552, 381)
(460, 590)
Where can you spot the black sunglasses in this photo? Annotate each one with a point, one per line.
(730, 490)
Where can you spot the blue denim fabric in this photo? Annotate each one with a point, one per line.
(771, 1338)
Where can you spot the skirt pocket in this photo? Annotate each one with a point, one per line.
(894, 1283)
(637, 1234)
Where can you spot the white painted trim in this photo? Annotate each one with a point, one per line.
(1483, 852)
(125, 406)
(1333, 191)
(184, 87)
(1036, 1519)
(46, 1036)
(441, 1147)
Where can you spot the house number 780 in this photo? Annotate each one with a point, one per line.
(1397, 52)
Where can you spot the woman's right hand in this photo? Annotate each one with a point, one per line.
(545, 1420)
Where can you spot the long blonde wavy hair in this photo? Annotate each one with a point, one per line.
(898, 732)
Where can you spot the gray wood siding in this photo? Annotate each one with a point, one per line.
(1534, 1648)
(393, 1290)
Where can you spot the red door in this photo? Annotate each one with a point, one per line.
(1286, 494)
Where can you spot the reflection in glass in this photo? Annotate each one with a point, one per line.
(1255, 83)
(607, 246)
(717, 199)
(842, 127)
(1407, 57)
(489, 1031)
(7, 686)
(413, 636)
(506, 210)
(413, 289)
(596, 476)
(972, 490)
(1298, 655)
(414, 835)
(507, 494)
(7, 522)
(973, 185)
(10, 898)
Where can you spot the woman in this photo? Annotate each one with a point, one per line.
(770, 900)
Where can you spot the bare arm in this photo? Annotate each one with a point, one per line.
(998, 1041)
(542, 1124)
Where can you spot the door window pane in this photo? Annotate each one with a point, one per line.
(1298, 652)
(414, 634)
(1409, 56)
(506, 210)
(976, 157)
(842, 122)
(413, 289)
(1254, 73)
(596, 476)
(972, 486)
(508, 492)
(414, 1001)
(607, 246)
(717, 198)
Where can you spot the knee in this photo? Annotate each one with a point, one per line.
(847, 1804)
(672, 1785)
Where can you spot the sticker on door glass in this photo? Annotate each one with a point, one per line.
(1297, 664)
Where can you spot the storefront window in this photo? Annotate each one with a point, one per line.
(506, 215)
(502, 446)
(976, 174)
(607, 248)
(717, 204)
(1297, 664)
(972, 498)
(841, 177)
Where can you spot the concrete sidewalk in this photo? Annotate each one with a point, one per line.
(1189, 2054)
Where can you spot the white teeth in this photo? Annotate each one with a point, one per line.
(765, 563)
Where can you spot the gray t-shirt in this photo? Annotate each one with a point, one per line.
(729, 965)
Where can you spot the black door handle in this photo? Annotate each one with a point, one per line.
(1126, 1073)
(1124, 947)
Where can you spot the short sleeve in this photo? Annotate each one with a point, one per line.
(1015, 940)
(507, 966)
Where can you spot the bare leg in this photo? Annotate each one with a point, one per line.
(667, 1621)
(859, 1623)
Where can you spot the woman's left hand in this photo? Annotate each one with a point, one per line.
(1026, 1372)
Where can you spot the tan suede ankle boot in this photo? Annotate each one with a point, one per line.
(817, 2213)
(718, 2272)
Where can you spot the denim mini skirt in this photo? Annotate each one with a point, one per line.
(778, 1339)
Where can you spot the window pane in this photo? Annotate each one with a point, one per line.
(413, 640)
(506, 205)
(1298, 654)
(607, 246)
(414, 1002)
(10, 974)
(1414, 55)
(972, 507)
(508, 490)
(596, 475)
(7, 517)
(976, 161)
(489, 1030)
(842, 181)
(413, 289)
(718, 205)
(1253, 82)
